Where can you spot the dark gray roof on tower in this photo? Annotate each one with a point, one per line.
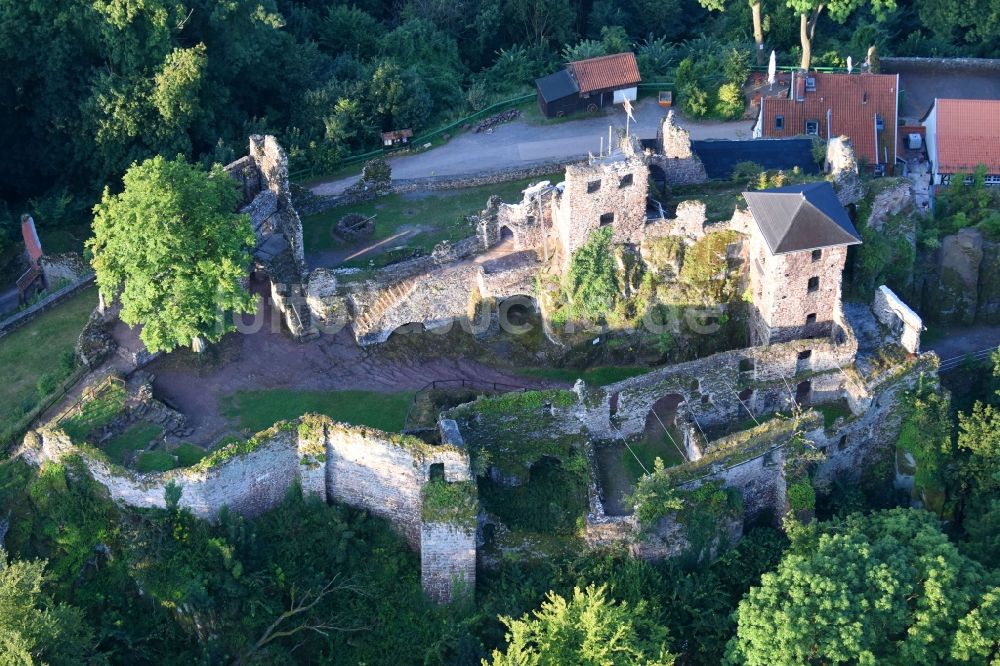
(795, 218)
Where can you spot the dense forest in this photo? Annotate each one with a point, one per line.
(87, 88)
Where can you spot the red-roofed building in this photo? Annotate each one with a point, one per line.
(589, 84)
(862, 107)
(961, 135)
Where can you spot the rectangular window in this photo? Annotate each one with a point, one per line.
(811, 83)
(625, 181)
(805, 354)
(812, 127)
(593, 186)
(607, 219)
(810, 318)
(779, 122)
(813, 284)
(817, 255)
(992, 180)
(879, 122)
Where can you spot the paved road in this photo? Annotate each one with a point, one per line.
(522, 143)
(960, 341)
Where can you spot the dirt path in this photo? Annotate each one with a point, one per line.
(523, 143)
(268, 358)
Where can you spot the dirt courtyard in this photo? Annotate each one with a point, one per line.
(269, 359)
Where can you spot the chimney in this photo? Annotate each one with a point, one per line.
(31, 242)
(800, 87)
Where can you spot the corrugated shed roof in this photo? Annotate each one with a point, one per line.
(852, 100)
(31, 242)
(968, 134)
(614, 71)
(795, 218)
(556, 86)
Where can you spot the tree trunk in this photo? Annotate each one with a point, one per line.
(805, 41)
(197, 344)
(758, 33)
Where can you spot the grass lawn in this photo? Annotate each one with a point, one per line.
(38, 348)
(188, 454)
(654, 445)
(155, 461)
(441, 215)
(256, 410)
(600, 376)
(135, 437)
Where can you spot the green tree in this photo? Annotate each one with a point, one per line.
(809, 12)
(170, 246)
(541, 22)
(758, 24)
(35, 629)
(589, 629)
(978, 637)
(884, 588)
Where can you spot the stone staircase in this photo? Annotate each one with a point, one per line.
(387, 298)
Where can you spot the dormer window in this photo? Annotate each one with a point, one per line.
(779, 122)
(811, 84)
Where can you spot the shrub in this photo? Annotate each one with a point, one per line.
(801, 496)
(694, 101)
(730, 104)
(747, 172)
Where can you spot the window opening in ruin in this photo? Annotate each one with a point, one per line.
(842, 444)
(746, 365)
(779, 122)
(593, 186)
(812, 127)
(706, 399)
(507, 234)
(817, 255)
(436, 472)
(810, 318)
(813, 284)
(745, 394)
(805, 354)
(613, 404)
(802, 392)
(607, 219)
(625, 181)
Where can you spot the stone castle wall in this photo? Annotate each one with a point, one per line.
(680, 165)
(361, 467)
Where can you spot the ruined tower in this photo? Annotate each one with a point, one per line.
(798, 248)
(603, 191)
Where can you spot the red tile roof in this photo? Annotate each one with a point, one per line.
(614, 71)
(31, 242)
(968, 134)
(852, 100)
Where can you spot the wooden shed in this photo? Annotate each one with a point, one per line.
(589, 85)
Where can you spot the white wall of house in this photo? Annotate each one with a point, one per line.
(930, 122)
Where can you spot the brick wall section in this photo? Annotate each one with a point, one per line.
(447, 560)
(904, 323)
(361, 467)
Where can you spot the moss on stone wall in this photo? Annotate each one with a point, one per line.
(455, 503)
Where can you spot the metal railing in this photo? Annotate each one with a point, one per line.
(956, 362)
(89, 394)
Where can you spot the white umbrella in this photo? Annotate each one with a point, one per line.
(772, 68)
(850, 64)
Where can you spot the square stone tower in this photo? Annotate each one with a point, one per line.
(604, 191)
(798, 248)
